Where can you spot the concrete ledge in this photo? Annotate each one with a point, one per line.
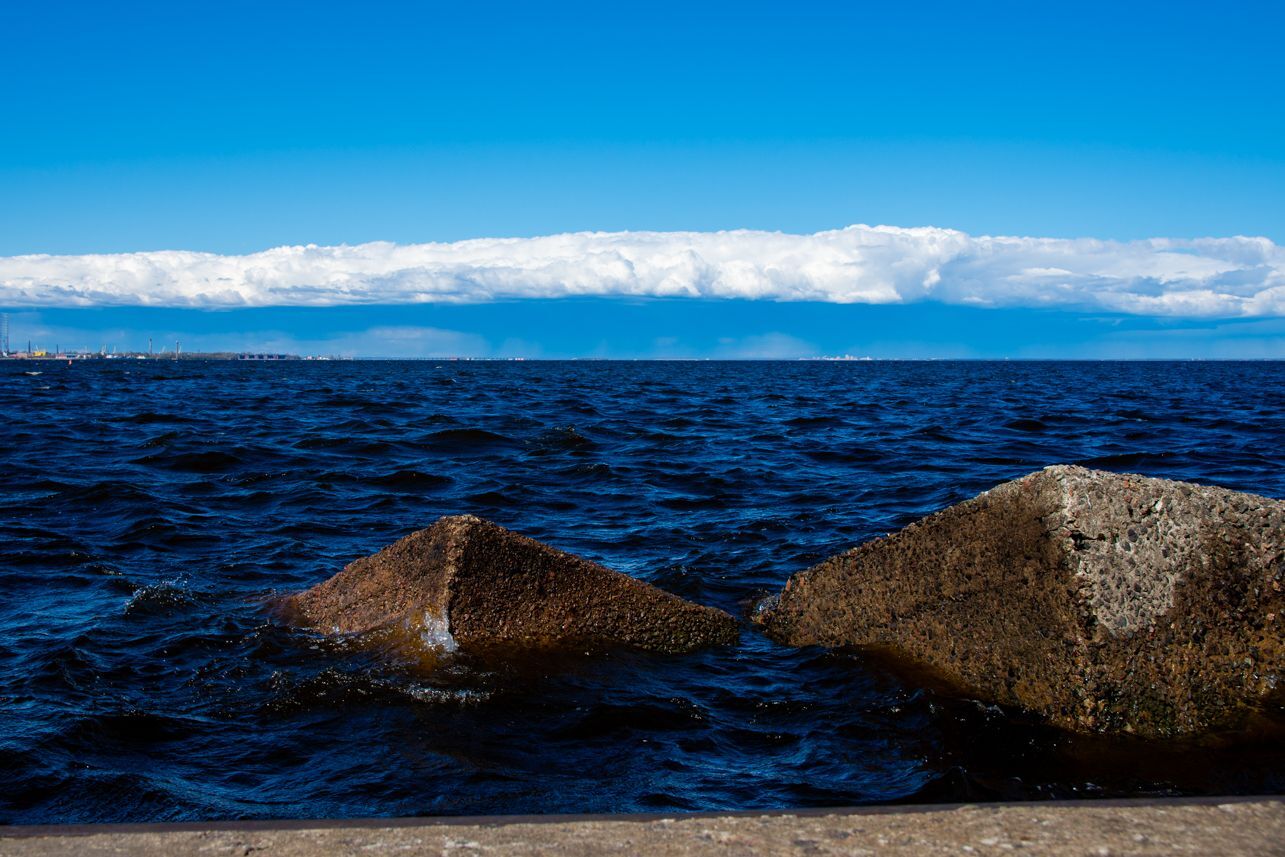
(1226, 826)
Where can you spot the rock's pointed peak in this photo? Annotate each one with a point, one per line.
(483, 586)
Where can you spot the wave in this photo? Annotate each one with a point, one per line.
(166, 596)
(466, 438)
(214, 461)
(410, 480)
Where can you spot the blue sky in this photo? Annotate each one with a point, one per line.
(235, 127)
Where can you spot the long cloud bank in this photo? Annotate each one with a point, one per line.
(1208, 277)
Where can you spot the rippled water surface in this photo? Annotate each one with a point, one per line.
(151, 508)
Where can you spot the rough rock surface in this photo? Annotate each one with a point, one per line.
(468, 583)
(1104, 602)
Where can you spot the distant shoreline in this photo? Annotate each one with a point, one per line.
(296, 358)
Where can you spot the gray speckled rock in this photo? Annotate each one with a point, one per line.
(468, 583)
(1104, 602)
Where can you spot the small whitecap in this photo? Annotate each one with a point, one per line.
(765, 606)
(458, 695)
(436, 633)
(162, 597)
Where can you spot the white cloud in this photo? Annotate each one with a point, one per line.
(1218, 277)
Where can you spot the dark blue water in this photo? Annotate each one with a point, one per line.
(148, 510)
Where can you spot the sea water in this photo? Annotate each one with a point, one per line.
(152, 509)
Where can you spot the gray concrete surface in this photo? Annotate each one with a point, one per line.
(1233, 826)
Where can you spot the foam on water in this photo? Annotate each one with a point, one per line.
(436, 633)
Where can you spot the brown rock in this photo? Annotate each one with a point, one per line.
(1104, 602)
(469, 583)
